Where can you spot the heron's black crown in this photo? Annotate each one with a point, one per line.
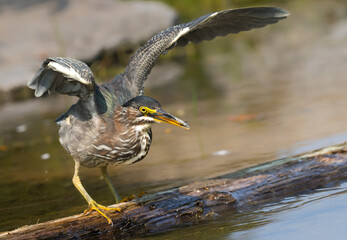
(144, 101)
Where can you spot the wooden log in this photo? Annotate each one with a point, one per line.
(190, 204)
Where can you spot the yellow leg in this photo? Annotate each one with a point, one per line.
(92, 204)
(110, 184)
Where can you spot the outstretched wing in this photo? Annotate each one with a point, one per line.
(203, 28)
(65, 76)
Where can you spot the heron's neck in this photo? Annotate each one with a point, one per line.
(143, 138)
(143, 128)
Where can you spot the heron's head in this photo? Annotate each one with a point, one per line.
(144, 110)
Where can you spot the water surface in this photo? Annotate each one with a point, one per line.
(319, 215)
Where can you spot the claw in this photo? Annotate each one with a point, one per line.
(98, 207)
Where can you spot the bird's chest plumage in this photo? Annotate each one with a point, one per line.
(96, 143)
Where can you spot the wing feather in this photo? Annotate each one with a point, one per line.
(65, 76)
(203, 28)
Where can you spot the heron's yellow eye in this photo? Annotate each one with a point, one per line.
(143, 109)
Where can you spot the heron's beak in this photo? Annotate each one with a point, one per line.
(162, 116)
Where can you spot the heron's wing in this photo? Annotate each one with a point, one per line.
(203, 28)
(65, 76)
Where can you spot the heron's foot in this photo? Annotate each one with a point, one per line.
(128, 199)
(100, 208)
(141, 194)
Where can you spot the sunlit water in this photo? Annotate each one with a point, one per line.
(248, 99)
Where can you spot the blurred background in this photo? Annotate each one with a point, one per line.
(249, 98)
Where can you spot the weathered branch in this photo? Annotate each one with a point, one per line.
(189, 204)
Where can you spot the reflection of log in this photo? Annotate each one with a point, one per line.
(189, 204)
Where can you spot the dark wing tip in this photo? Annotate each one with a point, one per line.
(274, 12)
(279, 12)
(262, 12)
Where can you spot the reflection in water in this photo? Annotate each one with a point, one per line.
(319, 215)
(256, 96)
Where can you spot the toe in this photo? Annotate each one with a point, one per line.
(98, 208)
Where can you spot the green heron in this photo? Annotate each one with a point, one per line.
(111, 123)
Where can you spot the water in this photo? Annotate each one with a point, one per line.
(251, 98)
(320, 215)
(317, 216)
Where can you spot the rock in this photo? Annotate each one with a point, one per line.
(33, 30)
